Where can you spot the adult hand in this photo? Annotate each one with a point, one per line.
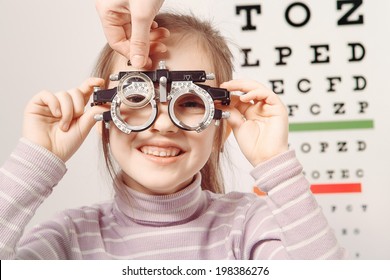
(58, 121)
(127, 25)
(259, 121)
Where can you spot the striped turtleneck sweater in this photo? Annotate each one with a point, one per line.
(190, 224)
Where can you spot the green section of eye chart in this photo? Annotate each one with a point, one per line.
(331, 125)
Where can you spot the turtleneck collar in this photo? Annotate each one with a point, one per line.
(161, 210)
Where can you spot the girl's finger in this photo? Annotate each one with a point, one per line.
(43, 101)
(78, 102)
(236, 118)
(86, 88)
(87, 121)
(241, 85)
(67, 106)
(253, 91)
(261, 94)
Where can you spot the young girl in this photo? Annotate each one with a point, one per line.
(169, 201)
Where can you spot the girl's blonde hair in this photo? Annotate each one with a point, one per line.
(217, 50)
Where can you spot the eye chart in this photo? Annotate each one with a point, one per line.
(324, 59)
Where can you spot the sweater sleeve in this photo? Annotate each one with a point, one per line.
(304, 230)
(27, 178)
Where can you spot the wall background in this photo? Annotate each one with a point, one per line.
(330, 59)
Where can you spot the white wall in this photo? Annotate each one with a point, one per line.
(52, 45)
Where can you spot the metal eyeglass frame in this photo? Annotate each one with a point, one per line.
(171, 86)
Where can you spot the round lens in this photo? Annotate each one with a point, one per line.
(135, 117)
(129, 119)
(136, 95)
(135, 90)
(189, 109)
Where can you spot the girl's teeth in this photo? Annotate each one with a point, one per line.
(160, 153)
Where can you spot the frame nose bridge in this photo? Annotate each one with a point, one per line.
(162, 91)
(163, 84)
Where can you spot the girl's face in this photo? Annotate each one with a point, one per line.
(164, 159)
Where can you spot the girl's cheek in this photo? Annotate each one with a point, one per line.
(117, 136)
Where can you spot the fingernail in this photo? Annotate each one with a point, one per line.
(138, 61)
(64, 126)
(57, 113)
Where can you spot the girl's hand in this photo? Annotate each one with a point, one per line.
(259, 121)
(58, 121)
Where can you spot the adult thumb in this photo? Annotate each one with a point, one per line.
(140, 43)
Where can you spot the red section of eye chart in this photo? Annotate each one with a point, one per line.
(328, 188)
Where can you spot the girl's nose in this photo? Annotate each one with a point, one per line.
(163, 123)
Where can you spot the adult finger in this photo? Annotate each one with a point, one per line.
(157, 47)
(158, 34)
(115, 19)
(139, 42)
(117, 39)
(142, 20)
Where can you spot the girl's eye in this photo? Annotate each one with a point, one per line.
(136, 98)
(190, 101)
(192, 104)
(189, 109)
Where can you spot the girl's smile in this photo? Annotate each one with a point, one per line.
(162, 152)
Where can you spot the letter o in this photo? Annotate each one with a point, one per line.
(315, 174)
(305, 148)
(315, 112)
(304, 21)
